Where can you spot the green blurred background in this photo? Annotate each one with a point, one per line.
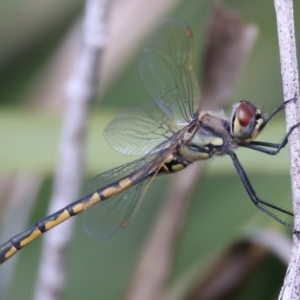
(30, 35)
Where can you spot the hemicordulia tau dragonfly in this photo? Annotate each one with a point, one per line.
(171, 132)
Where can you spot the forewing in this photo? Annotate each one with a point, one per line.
(139, 129)
(118, 173)
(166, 70)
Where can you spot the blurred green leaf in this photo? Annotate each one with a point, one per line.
(30, 140)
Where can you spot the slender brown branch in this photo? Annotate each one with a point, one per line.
(227, 49)
(79, 91)
(290, 80)
(156, 261)
(232, 269)
(124, 41)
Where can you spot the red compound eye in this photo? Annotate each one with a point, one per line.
(245, 113)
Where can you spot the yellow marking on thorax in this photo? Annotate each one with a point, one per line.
(178, 167)
(62, 217)
(216, 141)
(11, 252)
(95, 199)
(191, 155)
(112, 191)
(34, 234)
(169, 158)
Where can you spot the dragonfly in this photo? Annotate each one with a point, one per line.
(169, 133)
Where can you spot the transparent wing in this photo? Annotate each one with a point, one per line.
(103, 220)
(139, 129)
(120, 172)
(166, 70)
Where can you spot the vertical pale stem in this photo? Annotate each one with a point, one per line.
(290, 79)
(79, 92)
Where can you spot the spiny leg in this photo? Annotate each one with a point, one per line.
(282, 106)
(255, 199)
(259, 146)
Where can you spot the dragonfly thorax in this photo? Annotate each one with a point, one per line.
(209, 136)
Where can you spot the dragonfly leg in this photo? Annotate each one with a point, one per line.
(255, 199)
(282, 106)
(261, 146)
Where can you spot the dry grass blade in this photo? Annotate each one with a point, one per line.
(229, 272)
(156, 261)
(228, 46)
(233, 269)
(118, 54)
(20, 192)
(80, 91)
(290, 80)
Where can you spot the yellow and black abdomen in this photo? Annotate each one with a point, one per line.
(170, 165)
(19, 241)
(27, 236)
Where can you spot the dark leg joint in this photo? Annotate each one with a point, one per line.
(297, 233)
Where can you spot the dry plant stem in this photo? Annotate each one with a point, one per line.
(290, 78)
(149, 281)
(228, 47)
(79, 91)
(156, 262)
(22, 191)
(235, 266)
(119, 52)
(230, 272)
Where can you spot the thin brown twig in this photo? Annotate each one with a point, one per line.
(156, 261)
(79, 92)
(119, 52)
(230, 271)
(290, 80)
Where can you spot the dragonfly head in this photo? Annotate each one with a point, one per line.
(246, 121)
